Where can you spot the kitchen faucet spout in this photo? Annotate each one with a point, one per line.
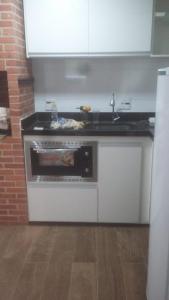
(115, 115)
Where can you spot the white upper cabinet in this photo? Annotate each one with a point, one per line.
(160, 40)
(120, 25)
(78, 27)
(56, 26)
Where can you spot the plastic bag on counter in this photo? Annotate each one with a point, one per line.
(64, 123)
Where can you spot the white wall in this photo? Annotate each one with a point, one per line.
(76, 81)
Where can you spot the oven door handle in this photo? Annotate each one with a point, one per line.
(51, 150)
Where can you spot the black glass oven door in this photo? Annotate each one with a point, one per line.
(62, 161)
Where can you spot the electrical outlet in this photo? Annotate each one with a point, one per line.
(126, 105)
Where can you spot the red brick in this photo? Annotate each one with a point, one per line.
(22, 219)
(15, 120)
(13, 152)
(15, 113)
(15, 201)
(7, 184)
(6, 16)
(17, 147)
(20, 183)
(2, 201)
(5, 8)
(6, 172)
(19, 159)
(8, 219)
(13, 60)
(3, 212)
(6, 159)
(2, 65)
(10, 48)
(14, 166)
(22, 206)
(5, 23)
(7, 153)
(15, 178)
(8, 32)
(12, 84)
(7, 40)
(11, 197)
(6, 206)
(17, 212)
(15, 190)
(19, 172)
(7, 55)
(15, 63)
(21, 195)
(15, 106)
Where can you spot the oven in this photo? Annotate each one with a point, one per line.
(61, 161)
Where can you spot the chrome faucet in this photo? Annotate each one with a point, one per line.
(113, 102)
(115, 115)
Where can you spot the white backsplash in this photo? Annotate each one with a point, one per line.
(72, 82)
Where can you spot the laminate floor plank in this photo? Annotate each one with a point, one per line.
(135, 281)
(42, 246)
(57, 282)
(30, 282)
(13, 258)
(133, 244)
(64, 242)
(73, 262)
(9, 272)
(85, 245)
(20, 243)
(83, 285)
(109, 270)
(6, 234)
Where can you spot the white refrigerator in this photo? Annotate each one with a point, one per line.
(158, 262)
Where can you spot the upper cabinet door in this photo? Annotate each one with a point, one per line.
(56, 26)
(160, 40)
(120, 25)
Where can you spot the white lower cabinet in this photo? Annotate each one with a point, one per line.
(120, 195)
(63, 202)
(124, 180)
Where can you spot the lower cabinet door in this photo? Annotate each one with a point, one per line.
(62, 202)
(120, 182)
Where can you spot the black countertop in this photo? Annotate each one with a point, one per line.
(129, 124)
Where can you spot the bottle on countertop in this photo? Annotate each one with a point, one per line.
(51, 106)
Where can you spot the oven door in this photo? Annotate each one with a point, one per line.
(62, 163)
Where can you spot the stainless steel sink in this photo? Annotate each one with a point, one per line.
(116, 126)
(113, 127)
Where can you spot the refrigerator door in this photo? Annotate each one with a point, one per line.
(158, 264)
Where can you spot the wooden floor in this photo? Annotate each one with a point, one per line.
(73, 262)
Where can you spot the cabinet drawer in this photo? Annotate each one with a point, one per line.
(63, 203)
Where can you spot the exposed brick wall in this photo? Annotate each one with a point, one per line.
(13, 196)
